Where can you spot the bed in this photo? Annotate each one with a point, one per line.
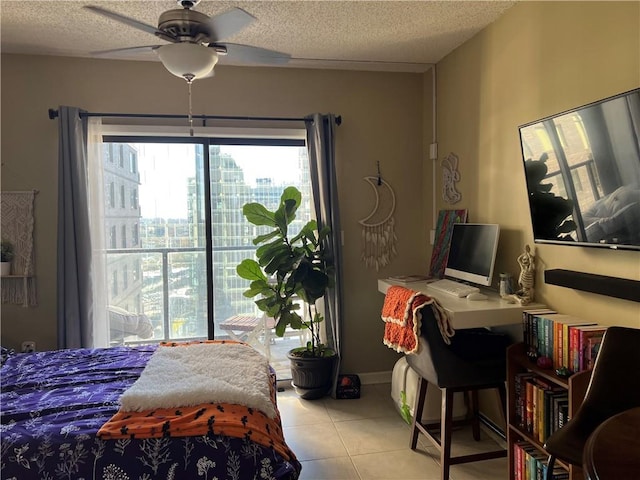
(61, 418)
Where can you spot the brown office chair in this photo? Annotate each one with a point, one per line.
(614, 387)
(475, 360)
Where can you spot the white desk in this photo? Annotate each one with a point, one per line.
(464, 313)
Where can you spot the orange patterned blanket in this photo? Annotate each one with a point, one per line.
(208, 418)
(402, 315)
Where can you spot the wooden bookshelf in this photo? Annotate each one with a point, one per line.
(576, 385)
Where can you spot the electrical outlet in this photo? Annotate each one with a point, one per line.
(28, 346)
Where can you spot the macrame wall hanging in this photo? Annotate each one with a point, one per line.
(450, 176)
(378, 228)
(17, 228)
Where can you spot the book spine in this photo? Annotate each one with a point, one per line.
(534, 427)
(517, 460)
(565, 346)
(574, 348)
(590, 345)
(548, 338)
(525, 464)
(593, 347)
(535, 330)
(541, 414)
(563, 415)
(544, 335)
(547, 415)
(521, 399)
(528, 451)
(542, 350)
(581, 347)
(529, 406)
(558, 342)
(525, 331)
(540, 461)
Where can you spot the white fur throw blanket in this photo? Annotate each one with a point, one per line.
(192, 374)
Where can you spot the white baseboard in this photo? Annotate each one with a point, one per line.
(375, 377)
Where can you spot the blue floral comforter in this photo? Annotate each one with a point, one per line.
(53, 403)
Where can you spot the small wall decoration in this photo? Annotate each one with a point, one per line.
(378, 228)
(450, 176)
(446, 219)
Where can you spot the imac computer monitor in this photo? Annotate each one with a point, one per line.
(472, 252)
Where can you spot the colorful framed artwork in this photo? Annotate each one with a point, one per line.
(446, 219)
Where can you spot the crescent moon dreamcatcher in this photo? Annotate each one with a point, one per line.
(450, 176)
(378, 228)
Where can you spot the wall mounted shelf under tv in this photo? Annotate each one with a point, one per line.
(624, 288)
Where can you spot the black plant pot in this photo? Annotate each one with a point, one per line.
(311, 376)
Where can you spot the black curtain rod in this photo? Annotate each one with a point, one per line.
(54, 114)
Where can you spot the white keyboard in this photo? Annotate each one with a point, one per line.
(450, 287)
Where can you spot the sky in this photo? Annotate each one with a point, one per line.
(165, 168)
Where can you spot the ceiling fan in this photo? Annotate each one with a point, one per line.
(195, 40)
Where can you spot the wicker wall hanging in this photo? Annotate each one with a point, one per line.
(450, 175)
(378, 228)
(17, 227)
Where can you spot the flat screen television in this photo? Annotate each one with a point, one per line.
(582, 169)
(472, 252)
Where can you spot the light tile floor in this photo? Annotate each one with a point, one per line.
(366, 439)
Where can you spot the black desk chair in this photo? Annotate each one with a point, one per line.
(614, 387)
(475, 360)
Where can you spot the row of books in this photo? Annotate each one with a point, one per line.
(529, 463)
(541, 407)
(568, 341)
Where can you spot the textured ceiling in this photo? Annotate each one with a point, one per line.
(367, 35)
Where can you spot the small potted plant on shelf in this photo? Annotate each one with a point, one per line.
(6, 255)
(291, 268)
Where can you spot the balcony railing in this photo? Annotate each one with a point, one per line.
(169, 286)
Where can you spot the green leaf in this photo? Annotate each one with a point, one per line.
(280, 261)
(281, 221)
(281, 326)
(296, 321)
(266, 252)
(264, 238)
(250, 270)
(307, 232)
(293, 194)
(258, 214)
(252, 292)
(259, 287)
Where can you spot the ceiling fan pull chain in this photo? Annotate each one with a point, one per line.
(189, 79)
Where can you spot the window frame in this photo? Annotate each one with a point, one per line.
(277, 137)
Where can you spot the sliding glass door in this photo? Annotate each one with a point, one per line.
(175, 230)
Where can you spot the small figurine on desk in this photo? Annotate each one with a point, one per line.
(524, 294)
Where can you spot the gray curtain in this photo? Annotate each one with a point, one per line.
(321, 145)
(74, 294)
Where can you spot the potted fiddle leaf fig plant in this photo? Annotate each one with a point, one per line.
(291, 268)
(6, 255)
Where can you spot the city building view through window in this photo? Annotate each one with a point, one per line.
(156, 221)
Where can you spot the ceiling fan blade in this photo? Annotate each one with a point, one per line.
(226, 24)
(130, 21)
(249, 54)
(126, 50)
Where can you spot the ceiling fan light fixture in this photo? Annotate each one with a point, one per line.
(188, 60)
